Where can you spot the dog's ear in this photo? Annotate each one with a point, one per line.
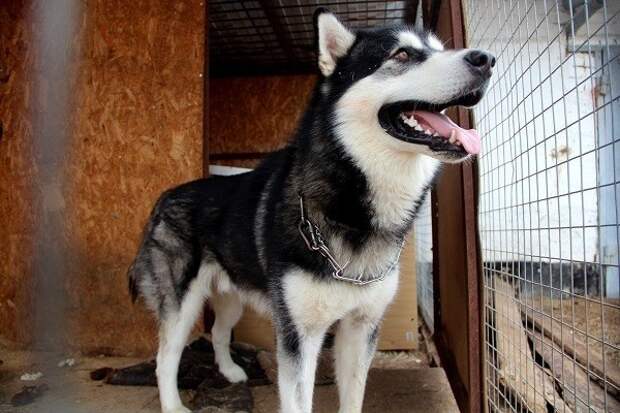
(333, 40)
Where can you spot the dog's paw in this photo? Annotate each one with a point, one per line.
(233, 373)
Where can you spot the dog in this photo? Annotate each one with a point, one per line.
(312, 236)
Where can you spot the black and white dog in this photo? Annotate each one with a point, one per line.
(312, 236)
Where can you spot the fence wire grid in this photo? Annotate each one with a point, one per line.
(269, 35)
(550, 203)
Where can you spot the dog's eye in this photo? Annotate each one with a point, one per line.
(401, 55)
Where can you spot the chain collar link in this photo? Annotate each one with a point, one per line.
(315, 242)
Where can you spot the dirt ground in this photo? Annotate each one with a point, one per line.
(71, 390)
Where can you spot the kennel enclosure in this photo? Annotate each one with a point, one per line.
(548, 208)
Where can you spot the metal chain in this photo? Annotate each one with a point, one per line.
(314, 240)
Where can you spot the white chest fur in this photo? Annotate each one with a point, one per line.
(315, 304)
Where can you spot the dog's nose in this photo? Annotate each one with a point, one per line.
(480, 60)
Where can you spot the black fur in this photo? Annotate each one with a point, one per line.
(214, 218)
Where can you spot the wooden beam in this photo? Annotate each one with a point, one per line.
(574, 347)
(456, 248)
(269, 7)
(431, 10)
(578, 391)
(517, 369)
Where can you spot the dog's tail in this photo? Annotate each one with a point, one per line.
(135, 272)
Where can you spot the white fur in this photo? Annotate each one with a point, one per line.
(174, 331)
(332, 300)
(353, 356)
(334, 42)
(396, 175)
(397, 171)
(434, 42)
(227, 301)
(359, 306)
(410, 39)
(228, 310)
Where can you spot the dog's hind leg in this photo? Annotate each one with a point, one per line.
(173, 333)
(228, 309)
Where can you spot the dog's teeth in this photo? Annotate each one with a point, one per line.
(452, 136)
(411, 122)
(452, 139)
(428, 132)
(435, 134)
(419, 128)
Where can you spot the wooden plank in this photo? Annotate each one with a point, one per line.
(517, 369)
(575, 347)
(399, 330)
(573, 378)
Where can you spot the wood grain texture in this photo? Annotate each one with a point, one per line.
(579, 392)
(138, 131)
(16, 172)
(399, 330)
(256, 114)
(517, 371)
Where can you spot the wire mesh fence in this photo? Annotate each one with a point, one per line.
(272, 35)
(423, 235)
(550, 203)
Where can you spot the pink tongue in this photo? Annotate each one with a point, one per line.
(443, 125)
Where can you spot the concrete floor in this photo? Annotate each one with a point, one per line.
(71, 390)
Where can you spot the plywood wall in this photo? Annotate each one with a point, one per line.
(255, 114)
(138, 130)
(16, 172)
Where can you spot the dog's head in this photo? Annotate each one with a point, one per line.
(389, 87)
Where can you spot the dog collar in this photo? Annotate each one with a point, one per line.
(315, 242)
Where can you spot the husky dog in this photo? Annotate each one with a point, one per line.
(311, 237)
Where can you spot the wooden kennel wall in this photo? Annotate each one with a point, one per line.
(137, 130)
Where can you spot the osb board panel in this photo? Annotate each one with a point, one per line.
(255, 114)
(399, 330)
(138, 131)
(16, 172)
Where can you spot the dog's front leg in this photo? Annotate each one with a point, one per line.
(297, 360)
(356, 340)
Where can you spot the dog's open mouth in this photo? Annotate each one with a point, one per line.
(424, 124)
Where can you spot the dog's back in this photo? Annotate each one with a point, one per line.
(206, 221)
(173, 244)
